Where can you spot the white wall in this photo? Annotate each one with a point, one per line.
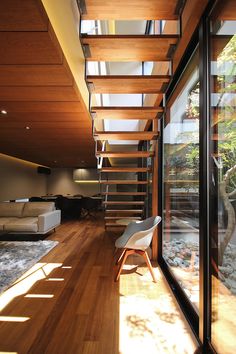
(61, 182)
(19, 179)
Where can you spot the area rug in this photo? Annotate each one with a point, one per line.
(18, 257)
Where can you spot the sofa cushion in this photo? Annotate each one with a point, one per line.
(11, 209)
(37, 208)
(22, 225)
(4, 221)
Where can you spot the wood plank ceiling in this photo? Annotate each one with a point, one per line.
(38, 91)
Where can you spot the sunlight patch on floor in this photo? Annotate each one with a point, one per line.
(39, 296)
(149, 318)
(13, 319)
(21, 286)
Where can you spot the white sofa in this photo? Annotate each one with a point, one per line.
(29, 217)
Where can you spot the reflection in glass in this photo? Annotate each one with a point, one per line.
(223, 125)
(181, 182)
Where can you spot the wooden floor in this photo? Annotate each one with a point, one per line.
(69, 303)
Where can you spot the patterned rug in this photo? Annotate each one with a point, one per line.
(18, 257)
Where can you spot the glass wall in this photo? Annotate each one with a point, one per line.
(181, 182)
(203, 279)
(223, 154)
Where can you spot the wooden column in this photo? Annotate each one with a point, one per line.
(155, 201)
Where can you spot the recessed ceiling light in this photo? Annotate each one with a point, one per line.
(82, 161)
(27, 127)
(55, 161)
(3, 111)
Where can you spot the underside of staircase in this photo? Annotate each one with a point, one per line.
(126, 168)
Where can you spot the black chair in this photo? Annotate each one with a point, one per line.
(89, 205)
(36, 199)
(70, 208)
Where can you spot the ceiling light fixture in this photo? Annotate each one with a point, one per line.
(27, 127)
(3, 111)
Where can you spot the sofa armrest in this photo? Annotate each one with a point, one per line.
(49, 220)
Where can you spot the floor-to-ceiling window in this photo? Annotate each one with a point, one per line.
(223, 198)
(199, 253)
(181, 182)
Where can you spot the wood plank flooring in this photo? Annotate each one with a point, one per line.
(69, 303)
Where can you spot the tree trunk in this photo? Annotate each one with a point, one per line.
(230, 210)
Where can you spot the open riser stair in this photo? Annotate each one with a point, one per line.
(125, 170)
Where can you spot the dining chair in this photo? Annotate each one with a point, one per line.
(136, 239)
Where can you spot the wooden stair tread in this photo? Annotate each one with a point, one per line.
(122, 217)
(125, 169)
(125, 154)
(127, 83)
(124, 193)
(125, 112)
(123, 182)
(116, 135)
(134, 202)
(123, 211)
(121, 47)
(135, 10)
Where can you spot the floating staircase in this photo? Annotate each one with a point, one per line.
(127, 83)
(126, 194)
(141, 113)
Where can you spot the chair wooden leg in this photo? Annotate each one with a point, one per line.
(147, 260)
(121, 254)
(125, 254)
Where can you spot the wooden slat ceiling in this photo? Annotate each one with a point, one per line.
(128, 47)
(38, 91)
(123, 9)
(225, 11)
(127, 83)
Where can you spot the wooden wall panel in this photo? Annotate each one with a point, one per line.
(40, 126)
(40, 93)
(190, 18)
(22, 15)
(44, 118)
(28, 48)
(37, 90)
(38, 107)
(225, 11)
(34, 75)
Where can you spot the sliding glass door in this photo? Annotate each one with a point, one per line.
(198, 244)
(223, 155)
(181, 182)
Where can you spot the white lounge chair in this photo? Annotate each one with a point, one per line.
(136, 239)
